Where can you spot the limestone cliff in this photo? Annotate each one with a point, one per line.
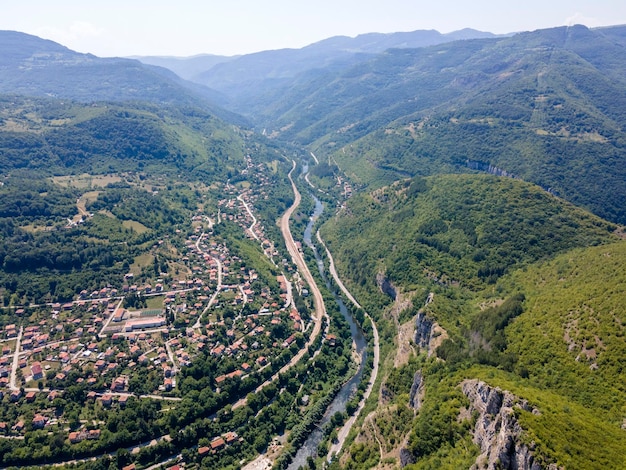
(497, 431)
(417, 391)
(385, 286)
(423, 330)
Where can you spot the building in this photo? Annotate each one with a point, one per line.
(141, 323)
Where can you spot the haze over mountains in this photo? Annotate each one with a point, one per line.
(386, 106)
(547, 104)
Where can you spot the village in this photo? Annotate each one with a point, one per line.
(130, 342)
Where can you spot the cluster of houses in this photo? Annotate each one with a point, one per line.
(218, 443)
(96, 342)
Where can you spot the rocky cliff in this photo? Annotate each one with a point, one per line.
(417, 391)
(423, 330)
(385, 286)
(497, 431)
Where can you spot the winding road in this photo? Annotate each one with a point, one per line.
(254, 221)
(343, 432)
(320, 308)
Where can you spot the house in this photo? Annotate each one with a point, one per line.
(288, 341)
(30, 397)
(217, 444)
(203, 450)
(168, 384)
(118, 384)
(39, 421)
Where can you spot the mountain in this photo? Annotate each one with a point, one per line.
(546, 106)
(468, 230)
(486, 278)
(252, 75)
(51, 136)
(186, 67)
(38, 67)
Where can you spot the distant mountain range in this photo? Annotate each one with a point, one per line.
(546, 106)
(242, 78)
(33, 66)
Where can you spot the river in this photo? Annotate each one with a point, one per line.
(309, 448)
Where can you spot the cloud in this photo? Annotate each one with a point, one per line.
(579, 18)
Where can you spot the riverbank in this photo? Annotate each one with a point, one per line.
(345, 429)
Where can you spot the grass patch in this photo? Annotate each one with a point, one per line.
(140, 262)
(85, 180)
(135, 226)
(155, 302)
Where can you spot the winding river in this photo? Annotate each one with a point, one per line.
(309, 448)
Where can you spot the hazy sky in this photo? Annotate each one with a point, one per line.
(229, 27)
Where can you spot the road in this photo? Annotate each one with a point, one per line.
(298, 259)
(318, 300)
(254, 221)
(213, 298)
(16, 360)
(108, 322)
(343, 432)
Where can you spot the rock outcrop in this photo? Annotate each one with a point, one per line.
(385, 286)
(497, 431)
(417, 389)
(423, 330)
(406, 457)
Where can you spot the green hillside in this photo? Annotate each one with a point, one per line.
(546, 106)
(54, 136)
(567, 348)
(465, 230)
(529, 290)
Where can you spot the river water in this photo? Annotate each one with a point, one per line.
(309, 448)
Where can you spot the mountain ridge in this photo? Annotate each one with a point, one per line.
(40, 67)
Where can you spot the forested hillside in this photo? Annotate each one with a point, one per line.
(465, 230)
(520, 297)
(546, 106)
(55, 137)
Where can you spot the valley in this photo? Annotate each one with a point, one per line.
(371, 252)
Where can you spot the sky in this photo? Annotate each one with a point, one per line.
(230, 27)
